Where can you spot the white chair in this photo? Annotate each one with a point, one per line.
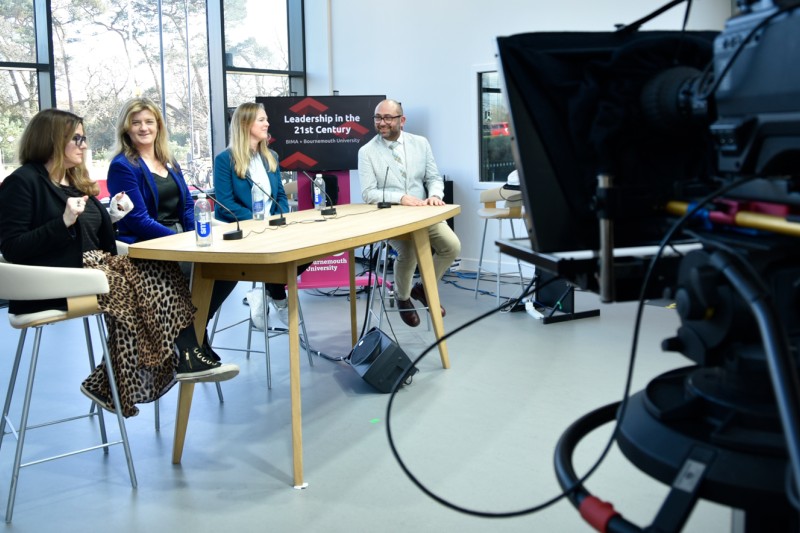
(268, 331)
(511, 210)
(80, 287)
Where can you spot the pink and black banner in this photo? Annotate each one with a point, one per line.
(319, 133)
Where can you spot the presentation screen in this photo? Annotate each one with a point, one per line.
(318, 133)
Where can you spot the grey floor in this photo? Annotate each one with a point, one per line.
(480, 435)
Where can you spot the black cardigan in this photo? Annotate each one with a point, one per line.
(32, 231)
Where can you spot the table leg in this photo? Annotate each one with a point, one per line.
(422, 245)
(294, 378)
(201, 297)
(185, 394)
(353, 323)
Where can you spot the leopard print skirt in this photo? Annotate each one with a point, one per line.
(147, 305)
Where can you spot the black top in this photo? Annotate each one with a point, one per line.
(32, 230)
(90, 220)
(170, 200)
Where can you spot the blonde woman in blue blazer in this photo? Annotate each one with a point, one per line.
(162, 204)
(245, 161)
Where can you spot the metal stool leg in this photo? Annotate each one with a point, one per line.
(90, 350)
(112, 383)
(11, 383)
(23, 425)
(305, 333)
(265, 312)
(382, 310)
(376, 288)
(519, 264)
(480, 258)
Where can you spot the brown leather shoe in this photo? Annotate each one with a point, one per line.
(418, 293)
(408, 312)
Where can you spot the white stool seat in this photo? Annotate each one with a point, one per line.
(511, 210)
(80, 287)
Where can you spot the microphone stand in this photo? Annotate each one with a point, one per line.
(281, 220)
(384, 204)
(327, 211)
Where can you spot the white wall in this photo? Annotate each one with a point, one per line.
(426, 53)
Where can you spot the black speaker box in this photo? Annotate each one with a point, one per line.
(380, 361)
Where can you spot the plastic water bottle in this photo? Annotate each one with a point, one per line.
(258, 203)
(202, 221)
(319, 193)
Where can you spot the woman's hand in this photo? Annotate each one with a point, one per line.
(119, 206)
(75, 207)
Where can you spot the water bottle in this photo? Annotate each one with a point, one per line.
(319, 193)
(202, 221)
(258, 202)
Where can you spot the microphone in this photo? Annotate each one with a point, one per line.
(232, 235)
(328, 211)
(281, 220)
(384, 204)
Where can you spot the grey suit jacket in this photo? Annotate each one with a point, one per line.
(380, 175)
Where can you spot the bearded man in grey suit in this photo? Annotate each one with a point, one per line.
(398, 167)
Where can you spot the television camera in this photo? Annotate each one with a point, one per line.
(615, 136)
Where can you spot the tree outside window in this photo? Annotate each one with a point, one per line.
(107, 51)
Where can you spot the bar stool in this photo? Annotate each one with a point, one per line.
(122, 249)
(268, 331)
(383, 289)
(80, 287)
(510, 211)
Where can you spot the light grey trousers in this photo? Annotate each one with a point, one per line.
(446, 248)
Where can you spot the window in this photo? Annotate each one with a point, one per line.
(106, 53)
(18, 103)
(496, 159)
(169, 50)
(19, 93)
(256, 34)
(256, 50)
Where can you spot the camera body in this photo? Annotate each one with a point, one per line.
(756, 102)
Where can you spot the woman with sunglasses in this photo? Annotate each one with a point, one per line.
(49, 216)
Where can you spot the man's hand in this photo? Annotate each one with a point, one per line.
(435, 200)
(411, 200)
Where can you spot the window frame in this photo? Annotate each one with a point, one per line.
(44, 65)
(219, 69)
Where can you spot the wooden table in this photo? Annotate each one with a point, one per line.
(272, 254)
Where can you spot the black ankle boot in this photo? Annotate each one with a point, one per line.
(194, 364)
(186, 339)
(209, 350)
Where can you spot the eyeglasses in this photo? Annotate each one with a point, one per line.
(79, 139)
(385, 118)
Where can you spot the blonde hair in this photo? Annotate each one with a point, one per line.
(243, 118)
(45, 139)
(124, 144)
